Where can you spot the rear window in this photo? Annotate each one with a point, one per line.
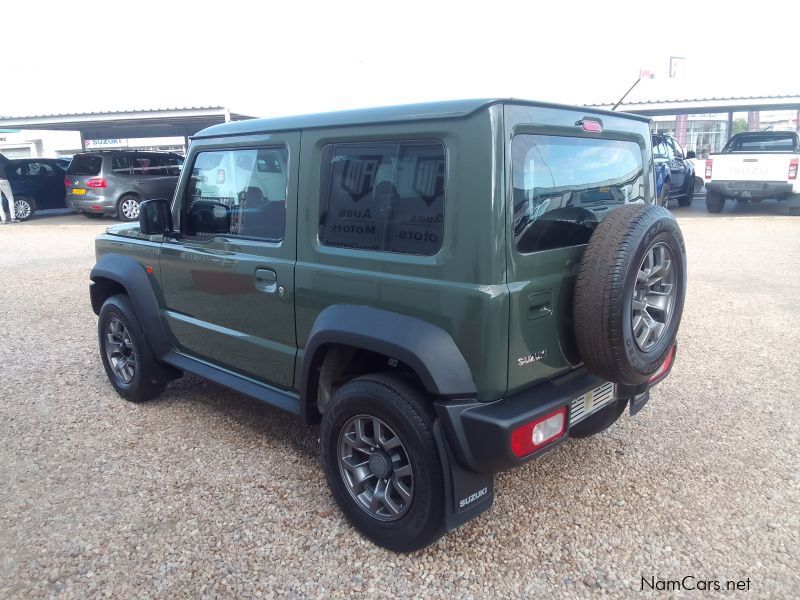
(761, 143)
(85, 164)
(564, 186)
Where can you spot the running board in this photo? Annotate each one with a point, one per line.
(239, 383)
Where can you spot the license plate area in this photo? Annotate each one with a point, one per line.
(589, 403)
(79, 192)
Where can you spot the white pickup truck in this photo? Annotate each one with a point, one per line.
(755, 166)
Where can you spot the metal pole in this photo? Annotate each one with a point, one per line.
(626, 93)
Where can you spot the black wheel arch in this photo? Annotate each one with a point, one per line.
(114, 274)
(428, 350)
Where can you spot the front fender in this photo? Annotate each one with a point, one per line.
(427, 349)
(141, 289)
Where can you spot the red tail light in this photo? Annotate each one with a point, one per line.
(793, 168)
(665, 367)
(67, 182)
(709, 165)
(529, 437)
(96, 182)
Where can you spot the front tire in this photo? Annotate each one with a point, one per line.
(130, 366)
(714, 202)
(128, 208)
(381, 461)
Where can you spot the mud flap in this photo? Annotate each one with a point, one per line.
(466, 494)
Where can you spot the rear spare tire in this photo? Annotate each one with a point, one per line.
(629, 293)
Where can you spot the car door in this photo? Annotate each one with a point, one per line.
(52, 192)
(228, 282)
(677, 166)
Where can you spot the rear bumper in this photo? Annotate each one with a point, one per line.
(747, 189)
(479, 433)
(92, 203)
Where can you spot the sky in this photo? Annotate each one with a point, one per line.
(271, 59)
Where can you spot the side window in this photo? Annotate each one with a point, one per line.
(384, 196)
(120, 165)
(660, 149)
(174, 165)
(44, 170)
(237, 192)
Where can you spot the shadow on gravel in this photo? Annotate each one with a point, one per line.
(259, 418)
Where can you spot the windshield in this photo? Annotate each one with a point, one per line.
(761, 143)
(85, 164)
(564, 186)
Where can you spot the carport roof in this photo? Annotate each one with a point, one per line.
(161, 122)
(653, 97)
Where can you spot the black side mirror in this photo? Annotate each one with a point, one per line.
(155, 217)
(691, 154)
(207, 217)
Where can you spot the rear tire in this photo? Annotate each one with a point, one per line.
(24, 207)
(599, 421)
(714, 202)
(794, 204)
(686, 200)
(130, 365)
(412, 514)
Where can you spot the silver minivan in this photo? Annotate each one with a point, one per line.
(114, 182)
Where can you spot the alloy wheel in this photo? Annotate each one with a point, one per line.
(119, 350)
(130, 208)
(375, 467)
(22, 209)
(653, 296)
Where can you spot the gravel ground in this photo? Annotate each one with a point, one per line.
(204, 492)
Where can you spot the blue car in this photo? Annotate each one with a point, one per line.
(37, 183)
(674, 171)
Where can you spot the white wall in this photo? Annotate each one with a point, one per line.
(40, 144)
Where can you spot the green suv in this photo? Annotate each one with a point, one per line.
(450, 289)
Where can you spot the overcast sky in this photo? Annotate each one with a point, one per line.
(268, 59)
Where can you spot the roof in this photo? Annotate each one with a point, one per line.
(158, 122)
(449, 109)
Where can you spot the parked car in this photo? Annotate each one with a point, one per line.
(674, 171)
(37, 183)
(754, 166)
(698, 166)
(114, 182)
(444, 323)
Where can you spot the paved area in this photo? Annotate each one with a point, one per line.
(205, 493)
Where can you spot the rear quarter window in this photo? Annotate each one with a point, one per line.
(564, 186)
(85, 164)
(383, 196)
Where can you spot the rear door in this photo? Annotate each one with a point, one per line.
(230, 294)
(563, 182)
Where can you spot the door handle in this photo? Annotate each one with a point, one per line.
(540, 305)
(266, 280)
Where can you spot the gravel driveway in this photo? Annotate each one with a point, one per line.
(207, 493)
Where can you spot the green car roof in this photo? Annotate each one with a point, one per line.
(449, 109)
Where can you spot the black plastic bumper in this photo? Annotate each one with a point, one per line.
(759, 189)
(479, 433)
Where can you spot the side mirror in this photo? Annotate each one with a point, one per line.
(209, 218)
(155, 217)
(691, 154)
